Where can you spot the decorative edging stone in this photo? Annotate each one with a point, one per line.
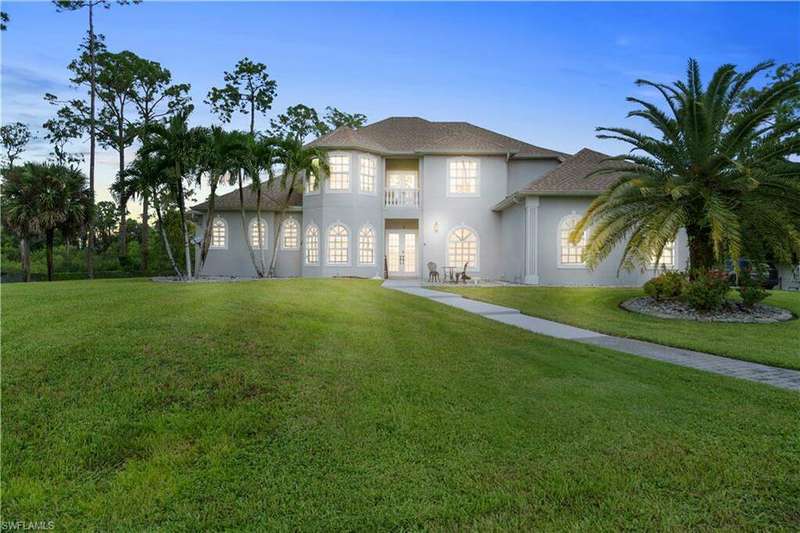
(679, 310)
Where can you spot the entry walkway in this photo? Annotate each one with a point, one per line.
(777, 377)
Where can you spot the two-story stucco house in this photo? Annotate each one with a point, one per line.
(408, 191)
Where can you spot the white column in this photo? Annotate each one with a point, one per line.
(531, 240)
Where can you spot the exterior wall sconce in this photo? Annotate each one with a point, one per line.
(436, 227)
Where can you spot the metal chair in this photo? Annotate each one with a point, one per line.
(463, 274)
(433, 273)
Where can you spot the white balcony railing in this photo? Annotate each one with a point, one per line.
(401, 198)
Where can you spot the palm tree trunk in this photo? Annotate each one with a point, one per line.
(145, 231)
(280, 216)
(186, 241)
(210, 211)
(49, 241)
(701, 249)
(25, 258)
(259, 272)
(164, 238)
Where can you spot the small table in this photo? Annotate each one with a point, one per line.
(449, 273)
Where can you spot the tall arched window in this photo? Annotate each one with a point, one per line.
(219, 233)
(338, 245)
(462, 248)
(366, 246)
(312, 245)
(257, 225)
(291, 235)
(570, 254)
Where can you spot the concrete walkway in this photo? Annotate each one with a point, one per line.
(777, 377)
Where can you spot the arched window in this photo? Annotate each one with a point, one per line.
(338, 245)
(570, 254)
(312, 245)
(219, 233)
(253, 231)
(366, 246)
(291, 235)
(462, 248)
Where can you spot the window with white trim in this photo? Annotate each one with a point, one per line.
(369, 168)
(219, 233)
(366, 246)
(312, 245)
(463, 177)
(667, 256)
(570, 254)
(338, 245)
(290, 239)
(339, 165)
(312, 183)
(255, 226)
(462, 248)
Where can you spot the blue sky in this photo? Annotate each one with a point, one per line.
(545, 73)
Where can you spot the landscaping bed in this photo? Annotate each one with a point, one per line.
(680, 310)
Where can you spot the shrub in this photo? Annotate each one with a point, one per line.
(707, 289)
(751, 290)
(667, 285)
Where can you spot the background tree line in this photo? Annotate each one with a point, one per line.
(132, 101)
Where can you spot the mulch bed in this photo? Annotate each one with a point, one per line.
(733, 312)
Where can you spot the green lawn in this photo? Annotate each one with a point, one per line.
(336, 404)
(598, 309)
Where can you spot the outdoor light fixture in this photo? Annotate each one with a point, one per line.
(436, 227)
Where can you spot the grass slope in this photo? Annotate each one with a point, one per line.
(598, 309)
(335, 404)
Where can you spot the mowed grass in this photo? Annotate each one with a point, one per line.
(599, 309)
(340, 405)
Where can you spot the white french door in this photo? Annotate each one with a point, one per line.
(401, 252)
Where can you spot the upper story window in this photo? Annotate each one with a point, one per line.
(462, 248)
(463, 177)
(340, 172)
(366, 246)
(312, 245)
(570, 254)
(338, 245)
(291, 234)
(368, 171)
(312, 184)
(219, 233)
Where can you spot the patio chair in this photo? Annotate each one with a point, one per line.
(433, 273)
(463, 274)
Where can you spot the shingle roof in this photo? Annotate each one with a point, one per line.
(571, 175)
(412, 135)
(271, 200)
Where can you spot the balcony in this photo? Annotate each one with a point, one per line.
(401, 198)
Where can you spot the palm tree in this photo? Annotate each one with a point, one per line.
(148, 177)
(19, 211)
(260, 158)
(42, 198)
(710, 170)
(296, 161)
(220, 155)
(176, 144)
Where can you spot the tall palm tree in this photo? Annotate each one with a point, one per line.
(148, 177)
(176, 143)
(709, 169)
(19, 211)
(42, 198)
(261, 156)
(219, 156)
(296, 162)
